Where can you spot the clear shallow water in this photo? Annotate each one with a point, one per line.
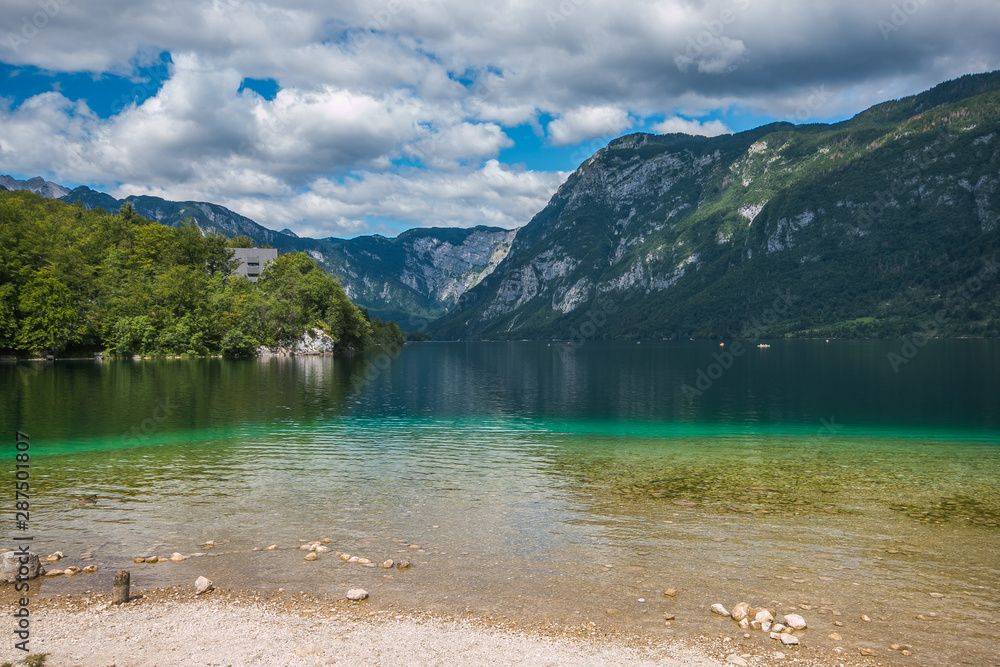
(806, 474)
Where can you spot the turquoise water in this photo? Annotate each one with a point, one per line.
(545, 482)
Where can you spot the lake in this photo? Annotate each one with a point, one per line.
(548, 482)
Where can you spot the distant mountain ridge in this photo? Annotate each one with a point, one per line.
(887, 224)
(37, 185)
(412, 279)
(869, 227)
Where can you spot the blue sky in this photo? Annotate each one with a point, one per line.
(346, 118)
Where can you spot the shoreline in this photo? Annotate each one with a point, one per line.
(100, 356)
(173, 625)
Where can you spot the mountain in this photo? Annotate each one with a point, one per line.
(411, 279)
(210, 218)
(882, 225)
(419, 275)
(37, 185)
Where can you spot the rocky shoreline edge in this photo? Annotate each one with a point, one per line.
(733, 646)
(199, 624)
(243, 627)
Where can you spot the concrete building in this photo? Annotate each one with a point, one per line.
(253, 260)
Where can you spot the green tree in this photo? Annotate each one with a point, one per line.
(49, 316)
(241, 241)
(131, 336)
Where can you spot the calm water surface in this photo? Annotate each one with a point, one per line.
(544, 482)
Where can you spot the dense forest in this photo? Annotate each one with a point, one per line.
(74, 281)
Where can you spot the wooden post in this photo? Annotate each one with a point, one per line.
(119, 593)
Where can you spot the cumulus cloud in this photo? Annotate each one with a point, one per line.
(489, 195)
(584, 123)
(405, 98)
(710, 128)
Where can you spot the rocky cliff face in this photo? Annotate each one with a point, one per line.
(312, 342)
(419, 275)
(37, 185)
(858, 228)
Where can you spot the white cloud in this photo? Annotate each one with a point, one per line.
(719, 56)
(368, 87)
(459, 143)
(490, 195)
(710, 128)
(585, 123)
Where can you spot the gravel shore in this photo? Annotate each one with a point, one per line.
(167, 627)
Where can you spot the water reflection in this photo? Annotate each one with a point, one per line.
(575, 478)
(951, 385)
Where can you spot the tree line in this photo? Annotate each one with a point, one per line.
(76, 281)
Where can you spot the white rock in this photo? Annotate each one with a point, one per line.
(744, 624)
(775, 635)
(779, 627)
(201, 585)
(795, 622)
(322, 548)
(313, 341)
(766, 626)
(176, 557)
(388, 564)
(10, 566)
(778, 655)
(345, 557)
(719, 609)
(353, 559)
(311, 556)
(764, 616)
(737, 660)
(740, 611)
(789, 639)
(357, 594)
